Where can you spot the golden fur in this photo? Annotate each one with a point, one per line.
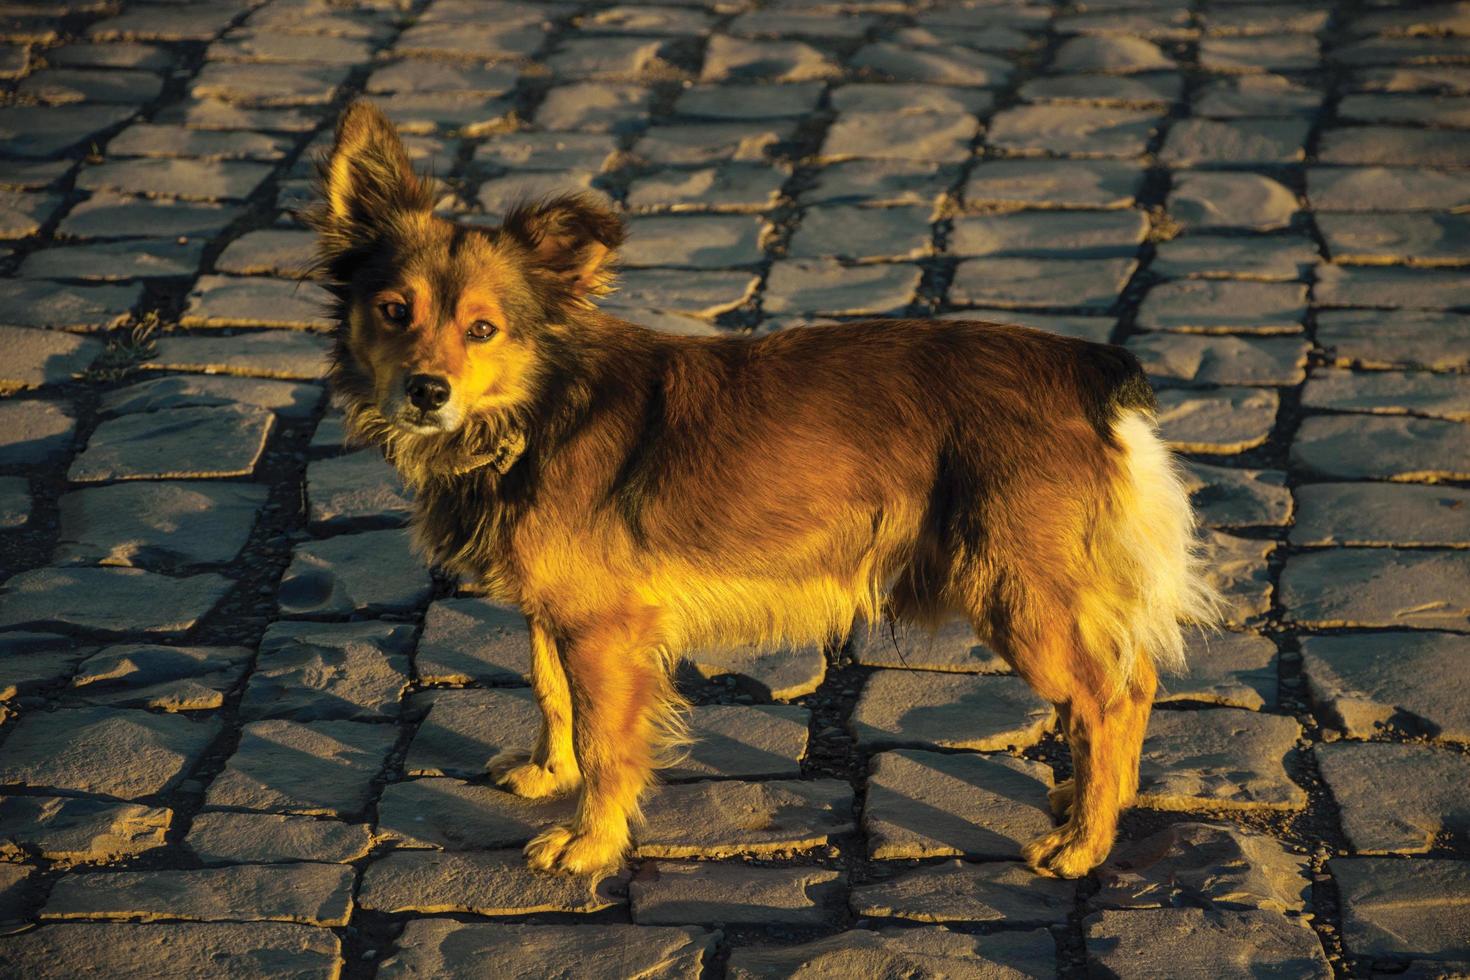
(640, 495)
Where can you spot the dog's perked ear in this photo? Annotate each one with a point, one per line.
(366, 177)
(572, 239)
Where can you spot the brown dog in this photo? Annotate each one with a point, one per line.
(640, 495)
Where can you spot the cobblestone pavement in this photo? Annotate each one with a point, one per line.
(244, 732)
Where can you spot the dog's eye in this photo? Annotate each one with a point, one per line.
(481, 330)
(395, 312)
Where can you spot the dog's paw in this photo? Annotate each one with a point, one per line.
(517, 773)
(1065, 853)
(561, 849)
(1060, 797)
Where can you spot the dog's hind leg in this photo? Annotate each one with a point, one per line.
(551, 767)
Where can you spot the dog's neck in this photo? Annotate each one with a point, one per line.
(509, 448)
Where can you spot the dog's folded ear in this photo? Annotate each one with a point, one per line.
(367, 176)
(572, 238)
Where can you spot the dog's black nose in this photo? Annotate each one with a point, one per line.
(426, 391)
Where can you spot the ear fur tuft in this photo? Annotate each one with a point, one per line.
(573, 239)
(365, 178)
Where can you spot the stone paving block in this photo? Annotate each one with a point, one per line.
(948, 710)
(693, 144)
(1283, 52)
(66, 86)
(245, 44)
(150, 522)
(288, 400)
(271, 838)
(1228, 420)
(471, 39)
(204, 180)
(219, 441)
(267, 354)
(929, 951)
(269, 251)
(159, 677)
(1404, 909)
(1259, 21)
(1096, 131)
(34, 175)
(743, 742)
(667, 893)
(35, 432)
(195, 949)
(360, 489)
(594, 107)
(1386, 189)
(464, 729)
(1201, 943)
(23, 214)
(47, 131)
(1271, 259)
(1193, 142)
(470, 640)
(958, 891)
(313, 671)
(928, 804)
(856, 234)
(1378, 587)
(1261, 95)
(15, 500)
(1228, 360)
(1407, 288)
(698, 242)
(780, 674)
(455, 816)
(1237, 568)
(43, 357)
(1381, 514)
(1426, 786)
(1419, 239)
(1391, 447)
(930, 137)
(374, 571)
(468, 114)
(217, 114)
(443, 947)
(33, 661)
(269, 84)
(230, 301)
(722, 818)
(174, 140)
(738, 59)
(325, 768)
(1393, 146)
(1054, 183)
(610, 59)
(425, 75)
(1219, 758)
(1442, 396)
(952, 647)
(1432, 79)
(778, 22)
(39, 303)
(75, 830)
(1214, 306)
(1435, 110)
(498, 196)
(1156, 90)
(1074, 234)
(1370, 682)
(1230, 497)
(732, 187)
(1197, 865)
(754, 101)
(14, 889)
(312, 894)
(197, 22)
(939, 64)
(1109, 53)
(1231, 200)
(111, 261)
(110, 600)
(109, 215)
(1235, 669)
(126, 754)
(1087, 284)
(828, 287)
(1395, 339)
(478, 883)
(889, 97)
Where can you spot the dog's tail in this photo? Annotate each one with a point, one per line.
(1150, 556)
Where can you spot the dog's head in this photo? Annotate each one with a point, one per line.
(439, 322)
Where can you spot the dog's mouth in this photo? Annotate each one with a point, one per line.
(410, 419)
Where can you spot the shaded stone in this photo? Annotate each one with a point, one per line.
(958, 891)
(1237, 569)
(473, 640)
(498, 196)
(73, 830)
(1381, 339)
(930, 137)
(202, 180)
(161, 140)
(114, 600)
(1155, 90)
(691, 144)
(1073, 234)
(43, 357)
(1426, 786)
(269, 838)
(1192, 142)
(314, 894)
(855, 234)
(1109, 53)
(671, 893)
(1273, 258)
(15, 500)
(720, 819)
(354, 573)
(1395, 908)
(443, 947)
(1378, 587)
(1228, 420)
(1219, 758)
(464, 729)
(953, 711)
(1089, 284)
(1391, 447)
(742, 742)
(160, 677)
(269, 251)
(1421, 239)
(14, 886)
(491, 38)
(287, 400)
(928, 804)
(779, 22)
(47, 131)
(133, 259)
(466, 114)
(1224, 360)
(1073, 130)
(611, 59)
(228, 301)
(594, 107)
(1256, 95)
(39, 303)
(938, 64)
(31, 662)
(194, 22)
(1197, 865)
(1386, 189)
(224, 440)
(478, 883)
(311, 671)
(425, 75)
(1393, 146)
(1444, 396)
(272, 46)
(1369, 682)
(324, 768)
(1213, 306)
(1407, 288)
(268, 354)
(146, 523)
(195, 949)
(702, 294)
(1236, 669)
(1282, 52)
(703, 242)
(34, 432)
(34, 175)
(827, 287)
(1381, 514)
(1231, 200)
(922, 952)
(126, 754)
(359, 489)
(546, 151)
(1228, 497)
(952, 647)
(271, 84)
(23, 214)
(1202, 942)
(219, 115)
(456, 816)
(747, 101)
(1054, 183)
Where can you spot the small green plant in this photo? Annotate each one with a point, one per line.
(129, 346)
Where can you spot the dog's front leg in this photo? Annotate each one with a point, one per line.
(615, 684)
(551, 768)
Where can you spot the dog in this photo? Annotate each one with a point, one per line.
(640, 495)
